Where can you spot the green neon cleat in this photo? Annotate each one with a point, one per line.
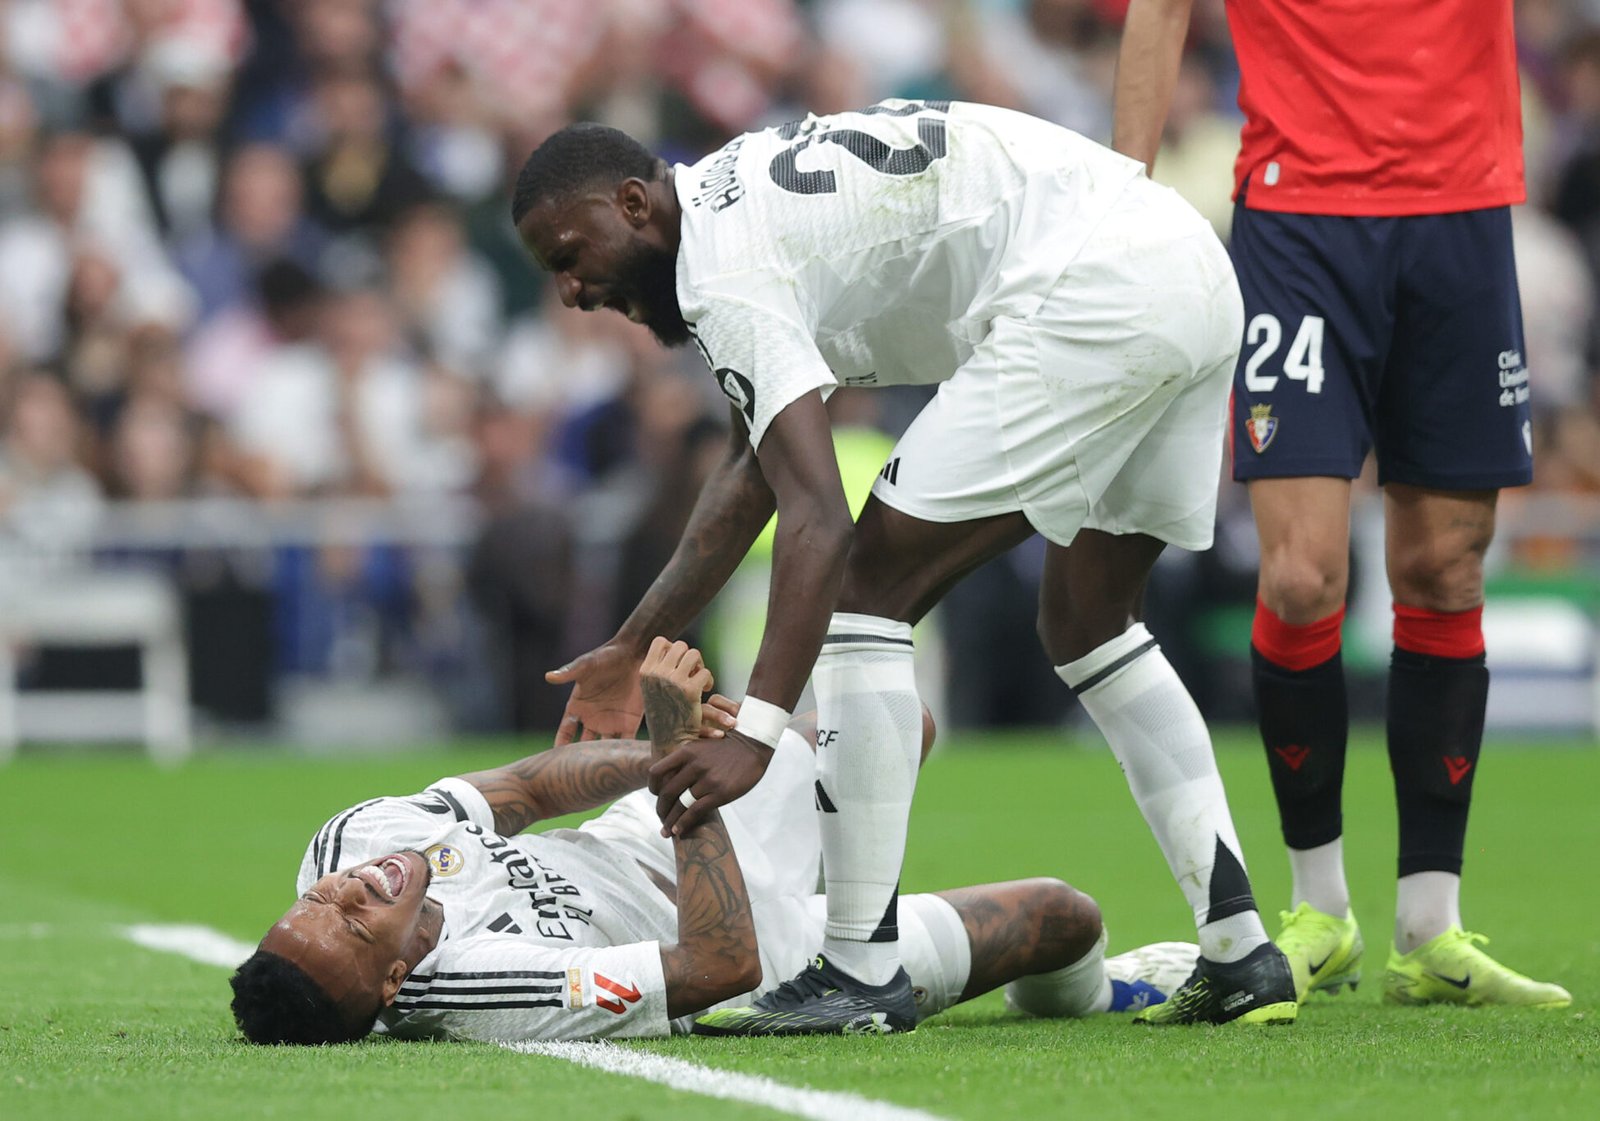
(1451, 969)
(1324, 951)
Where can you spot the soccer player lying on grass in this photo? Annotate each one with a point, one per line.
(431, 917)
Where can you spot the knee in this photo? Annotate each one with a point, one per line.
(1074, 916)
(1301, 586)
(1443, 573)
(1079, 630)
(872, 588)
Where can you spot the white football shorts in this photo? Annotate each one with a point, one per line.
(1107, 407)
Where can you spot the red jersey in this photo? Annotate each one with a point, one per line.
(1378, 107)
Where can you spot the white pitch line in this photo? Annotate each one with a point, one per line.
(197, 943)
(753, 1089)
(212, 947)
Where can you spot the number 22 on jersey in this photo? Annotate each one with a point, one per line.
(870, 150)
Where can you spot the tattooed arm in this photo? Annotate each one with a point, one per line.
(578, 777)
(734, 504)
(715, 956)
(563, 780)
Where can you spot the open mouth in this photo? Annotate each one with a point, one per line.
(388, 876)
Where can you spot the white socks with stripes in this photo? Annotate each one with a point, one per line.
(1154, 729)
(869, 744)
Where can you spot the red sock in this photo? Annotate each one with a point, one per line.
(1439, 634)
(1295, 647)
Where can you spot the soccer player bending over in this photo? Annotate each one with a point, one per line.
(435, 916)
(1082, 324)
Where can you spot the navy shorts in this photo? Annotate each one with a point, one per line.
(1402, 335)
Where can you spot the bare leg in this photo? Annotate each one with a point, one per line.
(1023, 928)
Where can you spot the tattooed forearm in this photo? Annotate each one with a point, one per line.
(670, 714)
(562, 780)
(734, 504)
(715, 956)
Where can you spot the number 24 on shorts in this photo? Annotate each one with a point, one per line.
(1302, 363)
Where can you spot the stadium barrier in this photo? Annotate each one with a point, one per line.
(116, 586)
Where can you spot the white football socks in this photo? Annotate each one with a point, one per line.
(869, 744)
(1131, 691)
(1426, 905)
(1319, 878)
(1079, 989)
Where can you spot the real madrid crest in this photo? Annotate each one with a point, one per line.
(1261, 427)
(445, 860)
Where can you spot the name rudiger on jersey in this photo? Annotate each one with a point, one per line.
(719, 187)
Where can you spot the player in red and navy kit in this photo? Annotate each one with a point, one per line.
(1382, 148)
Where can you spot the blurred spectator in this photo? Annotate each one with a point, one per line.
(87, 197)
(345, 413)
(522, 63)
(154, 452)
(19, 121)
(448, 299)
(78, 41)
(1040, 56)
(1198, 147)
(49, 502)
(260, 218)
(357, 174)
(227, 351)
(561, 361)
(896, 48)
(181, 158)
(295, 39)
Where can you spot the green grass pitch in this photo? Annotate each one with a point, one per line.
(94, 1027)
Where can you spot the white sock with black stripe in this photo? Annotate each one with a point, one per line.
(869, 744)
(1156, 732)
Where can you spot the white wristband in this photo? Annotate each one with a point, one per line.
(762, 721)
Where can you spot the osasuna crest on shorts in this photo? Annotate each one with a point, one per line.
(1262, 427)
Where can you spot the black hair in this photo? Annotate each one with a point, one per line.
(283, 284)
(275, 1001)
(576, 158)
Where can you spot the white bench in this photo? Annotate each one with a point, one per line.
(90, 608)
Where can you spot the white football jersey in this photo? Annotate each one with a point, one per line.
(549, 935)
(874, 247)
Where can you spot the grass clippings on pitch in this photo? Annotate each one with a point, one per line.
(93, 1026)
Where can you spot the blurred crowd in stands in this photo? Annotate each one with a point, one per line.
(261, 248)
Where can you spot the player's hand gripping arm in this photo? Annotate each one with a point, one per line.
(715, 956)
(1147, 70)
(808, 561)
(578, 777)
(734, 504)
